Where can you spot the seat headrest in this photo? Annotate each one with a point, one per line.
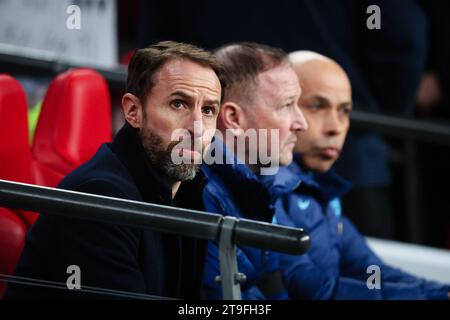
(75, 120)
(15, 154)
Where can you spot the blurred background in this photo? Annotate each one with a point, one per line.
(398, 150)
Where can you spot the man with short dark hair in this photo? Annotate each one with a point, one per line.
(170, 86)
(259, 119)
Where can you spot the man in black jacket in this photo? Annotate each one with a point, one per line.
(170, 86)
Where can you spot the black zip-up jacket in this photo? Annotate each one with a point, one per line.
(111, 256)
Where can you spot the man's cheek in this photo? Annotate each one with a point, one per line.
(210, 124)
(208, 135)
(169, 141)
(206, 144)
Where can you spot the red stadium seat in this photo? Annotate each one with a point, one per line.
(15, 152)
(15, 164)
(12, 240)
(75, 120)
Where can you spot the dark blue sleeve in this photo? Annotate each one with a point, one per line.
(211, 288)
(357, 256)
(303, 278)
(307, 280)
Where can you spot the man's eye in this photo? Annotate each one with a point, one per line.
(315, 106)
(209, 111)
(347, 110)
(289, 105)
(177, 104)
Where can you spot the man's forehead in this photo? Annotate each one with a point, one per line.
(188, 74)
(327, 85)
(322, 73)
(281, 81)
(283, 74)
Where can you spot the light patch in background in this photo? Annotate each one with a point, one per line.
(42, 25)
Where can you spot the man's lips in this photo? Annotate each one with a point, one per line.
(329, 152)
(291, 142)
(189, 152)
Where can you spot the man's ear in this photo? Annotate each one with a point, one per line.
(132, 110)
(232, 116)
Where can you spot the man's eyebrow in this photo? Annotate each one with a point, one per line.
(213, 102)
(182, 94)
(346, 104)
(320, 98)
(291, 98)
(189, 97)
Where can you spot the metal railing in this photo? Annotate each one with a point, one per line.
(227, 231)
(406, 128)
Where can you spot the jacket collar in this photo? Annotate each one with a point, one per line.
(327, 185)
(254, 194)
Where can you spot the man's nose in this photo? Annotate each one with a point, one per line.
(333, 125)
(195, 124)
(300, 123)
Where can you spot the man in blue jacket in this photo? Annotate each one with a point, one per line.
(261, 94)
(170, 86)
(339, 262)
